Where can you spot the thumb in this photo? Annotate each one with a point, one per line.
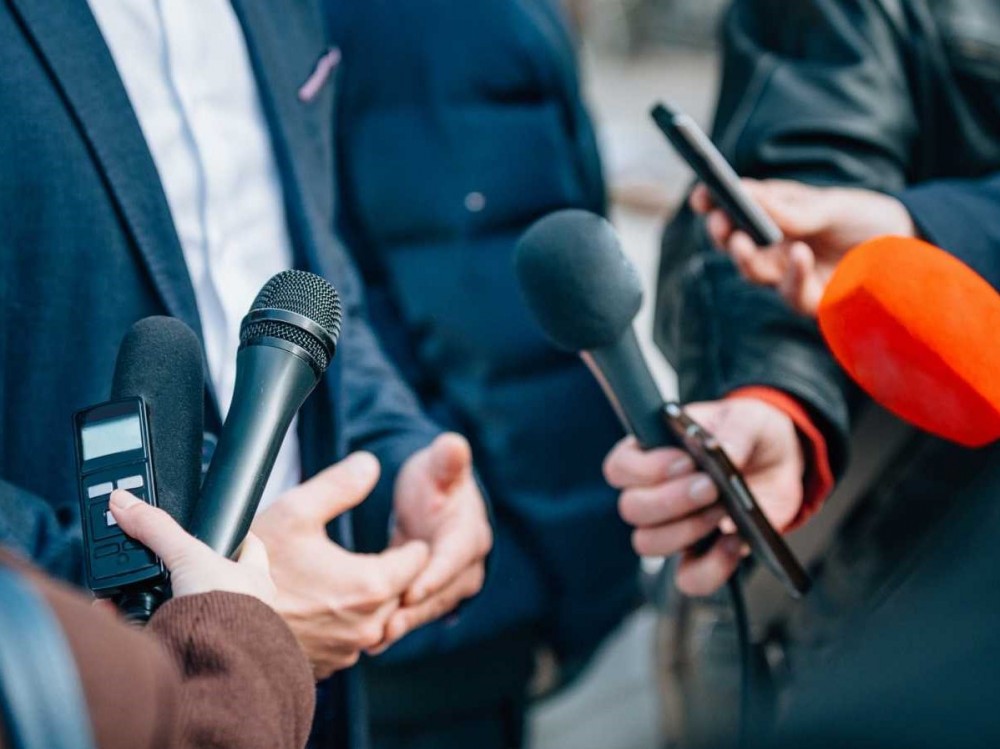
(153, 527)
(793, 206)
(451, 459)
(400, 566)
(254, 554)
(333, 491)
(715, 417)
(802, 287)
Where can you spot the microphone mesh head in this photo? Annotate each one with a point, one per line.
(305, 294)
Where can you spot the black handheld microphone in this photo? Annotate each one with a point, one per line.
(585, 294)
(287, 341)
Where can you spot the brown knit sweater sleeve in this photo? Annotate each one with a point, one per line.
(216, 670)
(246, 681)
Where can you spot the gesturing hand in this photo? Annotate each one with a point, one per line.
(437, 501)
(820, 224)
(336, 602)
(672, 506)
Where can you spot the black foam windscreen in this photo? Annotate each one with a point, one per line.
(306, 296)
(160, 359)
(577, 281)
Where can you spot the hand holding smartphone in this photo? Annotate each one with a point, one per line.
(719, 177)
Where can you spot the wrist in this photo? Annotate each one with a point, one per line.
(817, 478)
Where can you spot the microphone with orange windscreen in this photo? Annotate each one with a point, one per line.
(919, 331)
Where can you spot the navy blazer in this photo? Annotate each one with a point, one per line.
(458, 125)
(87, 247)
(961, 216)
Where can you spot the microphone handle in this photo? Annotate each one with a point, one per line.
(624, 376)
(272, 382)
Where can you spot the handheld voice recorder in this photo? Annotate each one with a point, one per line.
(113, 452)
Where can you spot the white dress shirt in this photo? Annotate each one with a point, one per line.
(187, 71)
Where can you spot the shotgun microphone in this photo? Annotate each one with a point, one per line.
(287, 341)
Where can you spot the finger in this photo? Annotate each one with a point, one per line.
(737, 440)
(703, 575)
(664, 540)
(153, 527)
(701, 199)
(409, 618)
(106, 605)
(331, 492)
(760, 265)
(451, 460)
(253, 553)
(720, 228)
(628, 465)
(401, 565)
(451, 556)
(805, 286)
(650, 506)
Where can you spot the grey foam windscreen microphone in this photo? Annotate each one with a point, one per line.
(287, 341)
(585, 293)
(160, 359)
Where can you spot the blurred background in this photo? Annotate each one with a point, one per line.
(635, 52)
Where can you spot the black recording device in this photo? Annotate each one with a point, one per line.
(585, 294)
(113, 449)
(146, 439)
(722, 182)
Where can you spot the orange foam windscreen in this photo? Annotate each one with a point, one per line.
(919, 330)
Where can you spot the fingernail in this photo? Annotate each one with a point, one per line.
(122, 500)
(733, 544)
(702, 490)
(680, 466)
(361, 464)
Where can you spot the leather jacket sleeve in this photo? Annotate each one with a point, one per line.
(816, 91)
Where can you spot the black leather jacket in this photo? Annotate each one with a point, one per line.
(883, 94)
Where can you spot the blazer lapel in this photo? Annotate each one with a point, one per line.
(71, 44)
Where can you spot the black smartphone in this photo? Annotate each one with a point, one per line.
(719, 177)
(765, 542)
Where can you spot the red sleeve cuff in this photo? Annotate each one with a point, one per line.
(818, 480)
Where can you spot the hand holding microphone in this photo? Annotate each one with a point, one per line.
(820, 224)
(672, 504)
(585, 294)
